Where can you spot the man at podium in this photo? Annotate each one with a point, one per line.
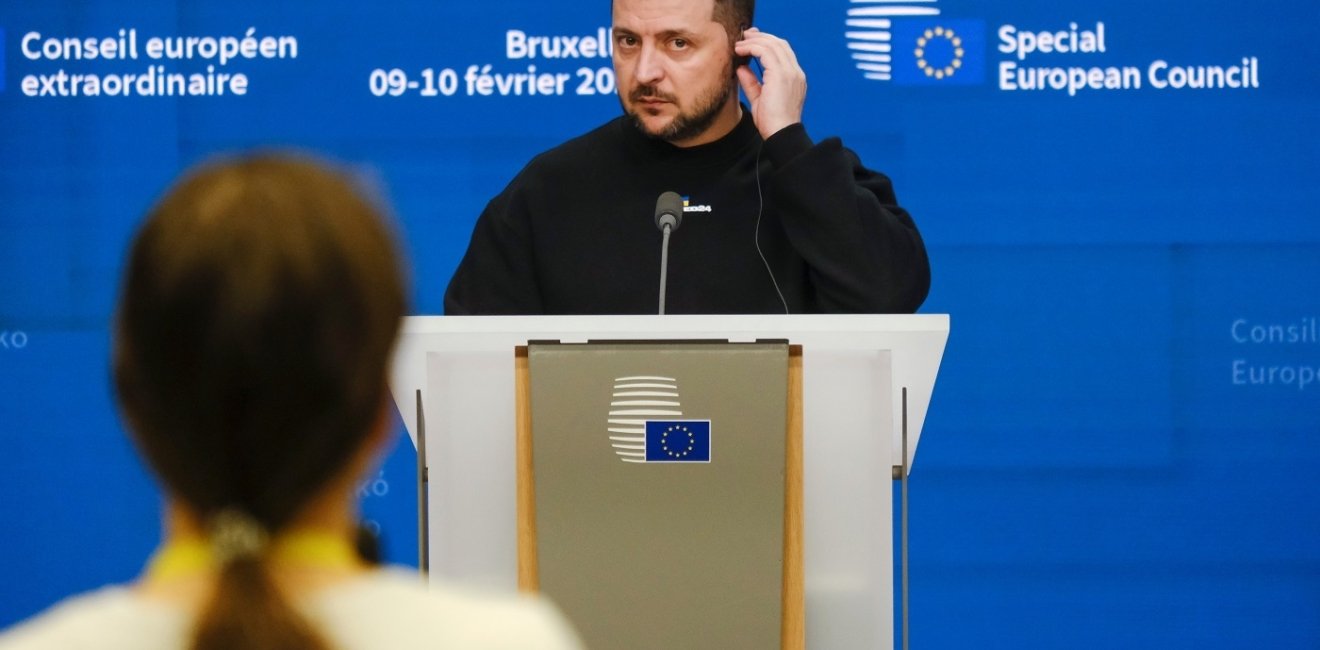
(770, 221)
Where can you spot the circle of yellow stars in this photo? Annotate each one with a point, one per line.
(954, 40)
(691, 442)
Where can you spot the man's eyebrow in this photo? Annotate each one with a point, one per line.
(679, 33)
(664, 35)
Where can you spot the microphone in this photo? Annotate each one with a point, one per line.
(668, 215)
(669, 211)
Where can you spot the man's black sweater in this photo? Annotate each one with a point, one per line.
(574, 232)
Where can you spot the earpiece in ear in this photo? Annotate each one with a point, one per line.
(742, 35)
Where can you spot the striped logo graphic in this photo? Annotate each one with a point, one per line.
(907, 42)
(870, 35)
(635, 401)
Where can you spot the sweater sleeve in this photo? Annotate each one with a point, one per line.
(863, 251)
(497, 275)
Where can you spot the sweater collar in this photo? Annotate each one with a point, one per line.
(725, 149)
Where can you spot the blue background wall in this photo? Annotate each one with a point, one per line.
(1098, 469)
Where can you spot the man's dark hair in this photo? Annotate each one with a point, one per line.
(735, 15)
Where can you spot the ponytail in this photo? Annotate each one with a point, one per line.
(247, 609)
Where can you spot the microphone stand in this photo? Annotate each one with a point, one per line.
(668, 215)
(664, 264)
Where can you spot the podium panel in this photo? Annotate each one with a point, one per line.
(854, 370)
(659, 490)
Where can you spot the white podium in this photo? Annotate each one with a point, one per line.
(867, 383)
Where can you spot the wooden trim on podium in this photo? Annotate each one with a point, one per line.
(793, 619)
(528, 571)
(793, 624)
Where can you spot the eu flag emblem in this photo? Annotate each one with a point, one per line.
(678, 441)
(936, 51)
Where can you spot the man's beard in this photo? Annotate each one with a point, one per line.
(687, 124)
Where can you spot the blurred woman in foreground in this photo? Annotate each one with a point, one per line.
(258, 315)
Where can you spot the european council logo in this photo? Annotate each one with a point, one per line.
(645, 423)
(869, 32)
(906, 41)
(939, 52)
